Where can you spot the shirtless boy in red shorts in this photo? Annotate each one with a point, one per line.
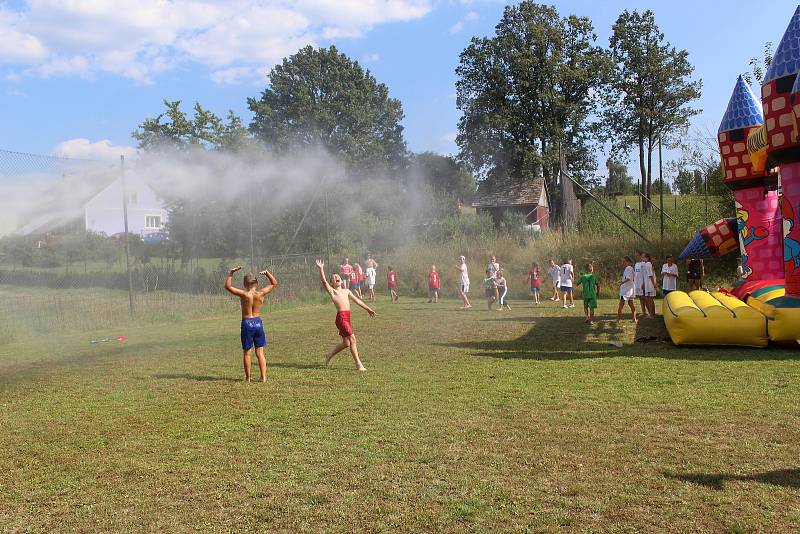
(341, 298)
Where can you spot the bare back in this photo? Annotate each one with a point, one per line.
(251, 303)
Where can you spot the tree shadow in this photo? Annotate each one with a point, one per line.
(569, 337)
(788, 478)
(198, 378)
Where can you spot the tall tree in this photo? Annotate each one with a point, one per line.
(526, 91)
(320, 97)
(174, 130)
(649, 89)
(618, 180)
(444, 175)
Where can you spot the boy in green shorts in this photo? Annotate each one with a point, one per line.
(591, 288)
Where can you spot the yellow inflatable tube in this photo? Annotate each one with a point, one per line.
(783, 323)
(701, 318)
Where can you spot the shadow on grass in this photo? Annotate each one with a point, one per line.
(198, 378)
(287, 365)
(788, 478)
(569, 337)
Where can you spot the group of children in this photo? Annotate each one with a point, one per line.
(351, 283)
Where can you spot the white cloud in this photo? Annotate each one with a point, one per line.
(84, 149)
(450, 137)
(139, 39)
(457, 27)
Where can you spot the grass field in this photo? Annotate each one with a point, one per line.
(480, 421)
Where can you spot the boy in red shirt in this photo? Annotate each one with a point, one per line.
(433, 285)
(535, 281)
(391, 279)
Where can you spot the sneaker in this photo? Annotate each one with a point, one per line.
(571, 305)
(565, 306)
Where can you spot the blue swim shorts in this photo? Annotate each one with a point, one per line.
(253, 333)
(566, 289)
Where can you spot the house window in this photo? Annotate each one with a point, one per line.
(133, 197)
(152, 221)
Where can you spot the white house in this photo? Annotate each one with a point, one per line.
(96, 206)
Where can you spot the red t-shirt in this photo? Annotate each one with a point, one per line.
(433, 280)
(353, 277)
(391, 277)
(534, 274)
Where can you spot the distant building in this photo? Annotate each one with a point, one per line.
(96, 206)
(528, 197)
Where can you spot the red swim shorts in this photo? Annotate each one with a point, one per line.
(343, 324)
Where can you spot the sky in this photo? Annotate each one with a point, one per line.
(77, 77)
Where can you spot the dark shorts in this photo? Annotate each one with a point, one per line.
(343, 324)
(535, 289)
(432, 290)
(666, 292)
(253, 333)
(566, 289)
(590, 303)
(490, 292)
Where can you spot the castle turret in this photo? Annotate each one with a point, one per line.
(777, 92)
(758, 219)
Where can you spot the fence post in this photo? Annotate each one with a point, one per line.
(125, 235)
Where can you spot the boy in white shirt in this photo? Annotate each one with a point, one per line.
(626, 289)
(567, 275)
(669, 276)
(650, 284)
(638, 281)
(555, 276)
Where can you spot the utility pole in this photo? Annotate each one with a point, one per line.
(252, 248)
(661, 195)
(125, 235)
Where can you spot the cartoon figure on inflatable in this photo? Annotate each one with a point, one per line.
(760, 148)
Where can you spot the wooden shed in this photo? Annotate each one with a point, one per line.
(528, 197)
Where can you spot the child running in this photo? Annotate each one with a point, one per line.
(591, 288)
(502, 290)
(341, 298)
(391, 281)
(535, 282)
(490, 288)
(626, 290)
(370, 274)
(433, 285)
(252, 331)
(464, 282)
(566, 276)
(555, 277)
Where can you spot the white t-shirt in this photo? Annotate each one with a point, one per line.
(669, 283)
(464, 274)
(638, 278)
(555, 274)
(626, 289)
(566, 279)
(370, 274)
(647, 271)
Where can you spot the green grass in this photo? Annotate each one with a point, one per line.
(478, 420)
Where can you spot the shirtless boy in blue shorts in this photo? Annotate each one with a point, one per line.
(252, 327)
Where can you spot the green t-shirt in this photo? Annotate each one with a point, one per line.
(589, 282)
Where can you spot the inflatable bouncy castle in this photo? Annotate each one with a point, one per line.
(759, 142)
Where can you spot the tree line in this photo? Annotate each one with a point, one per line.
(539, 88)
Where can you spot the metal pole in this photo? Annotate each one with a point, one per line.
(125, 235)
(612, 212)
(639, 196)
(252, 248)
(661, 195)
(327, 235)
(705, 194)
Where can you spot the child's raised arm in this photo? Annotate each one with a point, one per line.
(325, 284)
(229, 283)
(360, 302)
(272, 282)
